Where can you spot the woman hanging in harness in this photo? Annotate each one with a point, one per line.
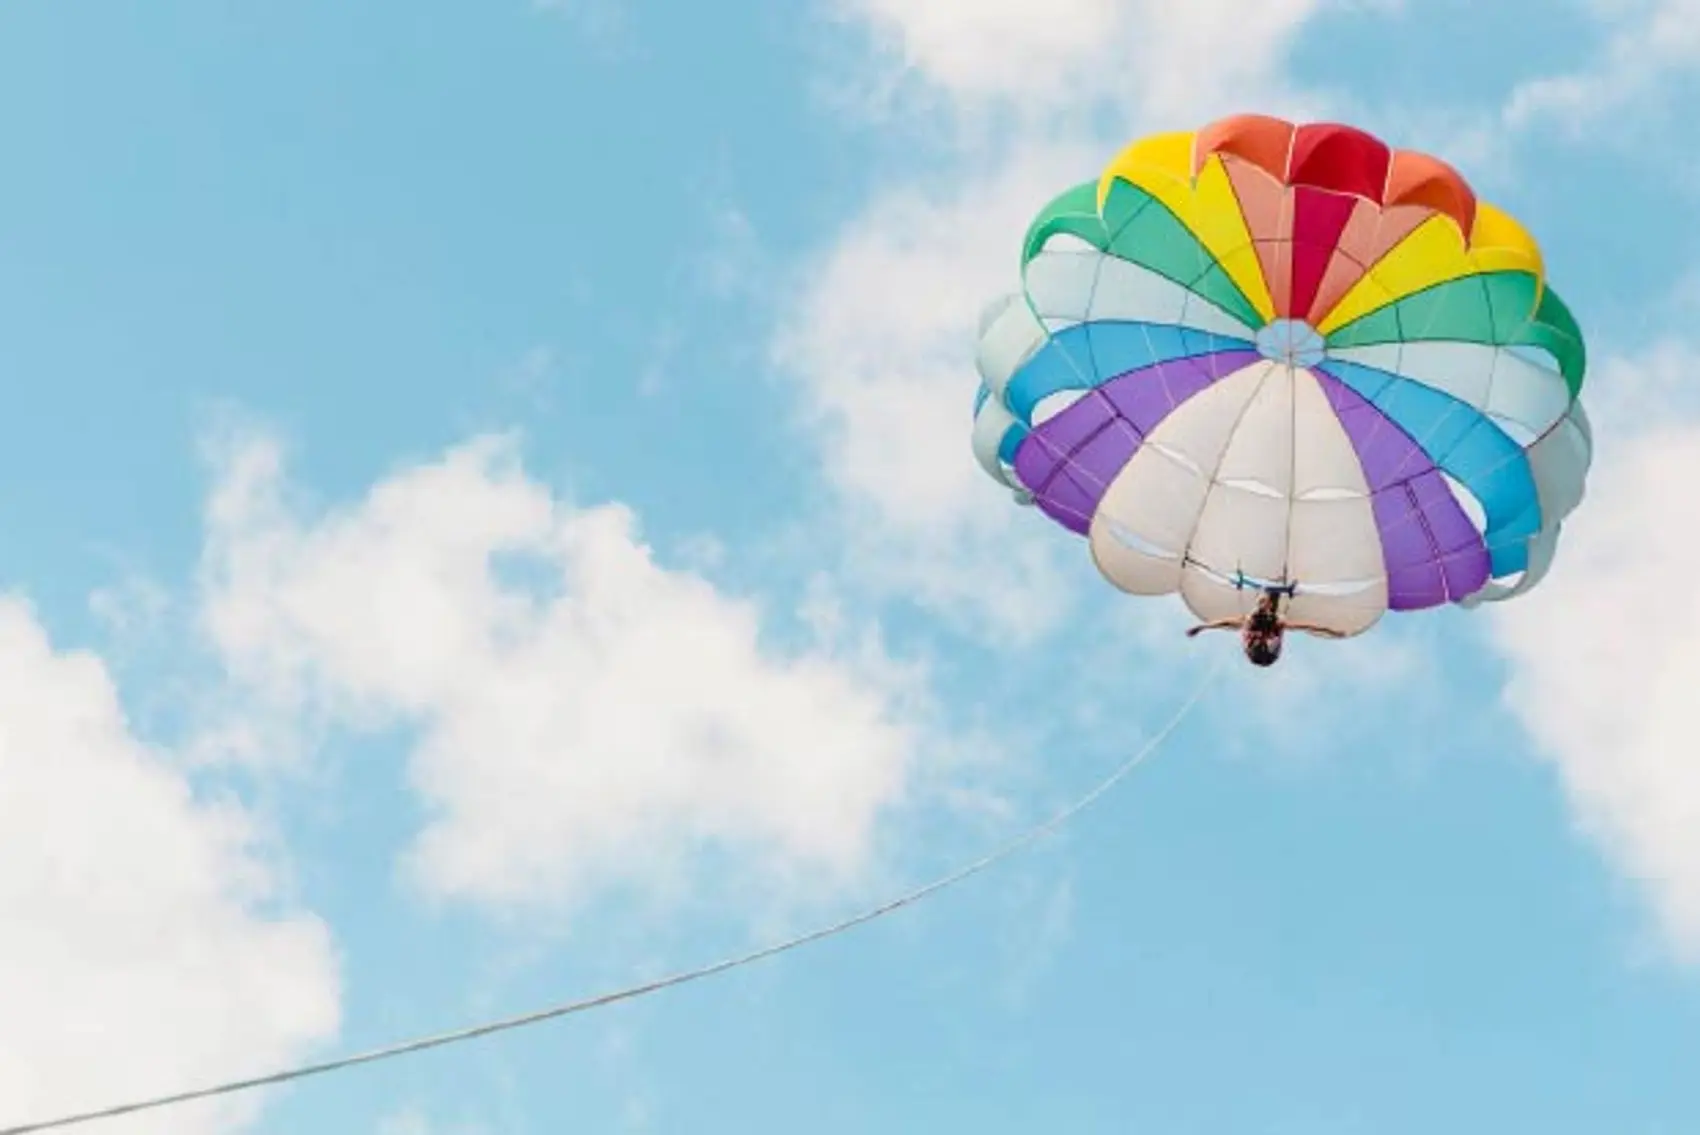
(1263, 630)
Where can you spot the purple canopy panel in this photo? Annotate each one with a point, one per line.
(1432, 552)
(1068, 461)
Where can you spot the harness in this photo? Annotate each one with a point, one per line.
(1262, 630)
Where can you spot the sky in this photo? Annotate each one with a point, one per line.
(488, 518)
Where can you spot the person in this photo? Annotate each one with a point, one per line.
(1264, 630)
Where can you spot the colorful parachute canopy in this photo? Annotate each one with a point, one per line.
(1275, 353)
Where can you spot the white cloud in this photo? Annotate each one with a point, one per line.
(882, 342)
(586, 717)
(413, 1121)
(1606, 652)
(142, 949)
(409, 1121)
(1350, 691)
(1171, 59)
(1641, 44)
(604, 24)
(1038, 925)
(879, 340)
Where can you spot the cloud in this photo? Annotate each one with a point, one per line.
(1606, 652)
(409, 1121)
(1642, 43)
(1169, 59)
(584, 717)
(878, 339)
(144, 947)
(413, 1121)
(881, 344)
(604, 24)
(1037, 928)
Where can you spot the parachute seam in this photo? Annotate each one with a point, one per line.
(1500, 351)
(1428, 534)
(1067, 455)
(1212, 482)
(1394, 304)
(1292, 469)
(1382, 421)
(1251, 239)
(1067, 463)
(1205, 255)
(1418, 442)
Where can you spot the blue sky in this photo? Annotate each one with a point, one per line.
(490, 518)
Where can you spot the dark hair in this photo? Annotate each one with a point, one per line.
(1263, 651)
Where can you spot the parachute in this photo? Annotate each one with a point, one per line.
(1276, 354)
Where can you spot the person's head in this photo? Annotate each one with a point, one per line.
(1263, 650)
(1266, 604)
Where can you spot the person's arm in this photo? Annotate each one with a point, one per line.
(1319, 632)
(1214, 625)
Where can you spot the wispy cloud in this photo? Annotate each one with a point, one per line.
(1040, 923)
(415, 1120)
(605, 24)
(150, 942)
(586, 717)
(1641, 46)
(1606, 653)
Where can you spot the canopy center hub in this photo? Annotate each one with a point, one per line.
(1292, 342)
